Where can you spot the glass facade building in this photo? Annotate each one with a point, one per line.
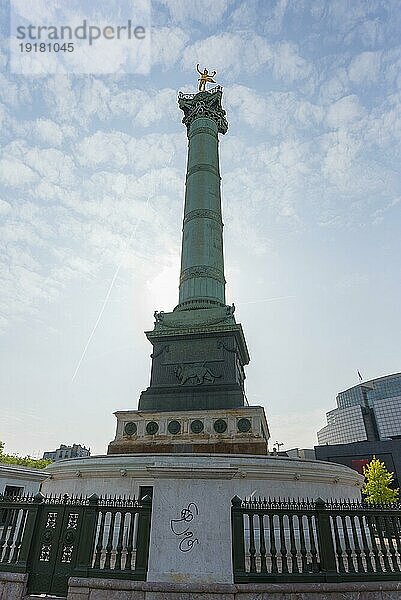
(368, 392)
(368, 411)
(346, 424)
(388, 417)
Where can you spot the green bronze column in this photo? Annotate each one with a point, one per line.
(199, 351)
(195, 401)
(202, 282)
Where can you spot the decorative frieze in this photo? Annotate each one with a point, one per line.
(202, 271)
(203, 213)
(237, 428)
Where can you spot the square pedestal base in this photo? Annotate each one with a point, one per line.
(230, 431)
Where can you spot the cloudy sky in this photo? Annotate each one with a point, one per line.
(91, 199)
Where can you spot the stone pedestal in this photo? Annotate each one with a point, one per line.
(198, 361)
(236, 431)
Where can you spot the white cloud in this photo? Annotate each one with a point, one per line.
(15, 93)
(94, 99)
(288, 65)
(103, 149)
(229, 53)
(367, 31)
(255, 15)
(235, 55)
(274, 24)
(344, 111)
(15, 173)
(277, 112)
(39, 12)
(355, 21)
(341, 154)
(365, 67)
(49, 132)
(335, 87)
(158, 106)
(43, 131)
(5, 207)
(207, 12)
(168, 44)
(3, 114)
(116, 150)
(79, 99)
(50, 163)
(383, 127)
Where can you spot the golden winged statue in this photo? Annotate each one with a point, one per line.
(205, 77)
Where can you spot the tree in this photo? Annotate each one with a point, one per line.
(377, 485)
(23, 461)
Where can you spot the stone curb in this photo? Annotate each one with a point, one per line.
(15, 577)
(224, 588)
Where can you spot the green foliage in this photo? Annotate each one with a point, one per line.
(377, 486)
(24, 461)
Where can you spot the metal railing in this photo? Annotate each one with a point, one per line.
(53, 538)
(301, 540)
(15, 525)
(213, 90)
(121, 541)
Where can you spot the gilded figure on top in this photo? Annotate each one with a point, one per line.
(205, 77)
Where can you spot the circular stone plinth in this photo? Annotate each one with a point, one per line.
(242, 475)
(191, 507)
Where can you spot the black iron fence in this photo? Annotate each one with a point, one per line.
(53, 538)
(288, 540)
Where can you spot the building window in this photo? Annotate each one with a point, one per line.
(13, 490)
(145, 490)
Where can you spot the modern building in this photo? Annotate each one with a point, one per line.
(74, 451)
(359, 454)
(369, 411)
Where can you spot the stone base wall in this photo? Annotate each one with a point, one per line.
(228, 431)
(113, 589)
(254, 447)
(204, 485)
(12, 586)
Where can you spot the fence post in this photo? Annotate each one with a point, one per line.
(237, 533)
(87, 537)
(327, 554)
(30, 527)
(143, 537)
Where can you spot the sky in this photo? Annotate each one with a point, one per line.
(91, 199)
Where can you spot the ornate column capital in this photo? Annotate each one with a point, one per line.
(204, 104)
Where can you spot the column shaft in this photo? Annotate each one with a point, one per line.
(202, 281)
